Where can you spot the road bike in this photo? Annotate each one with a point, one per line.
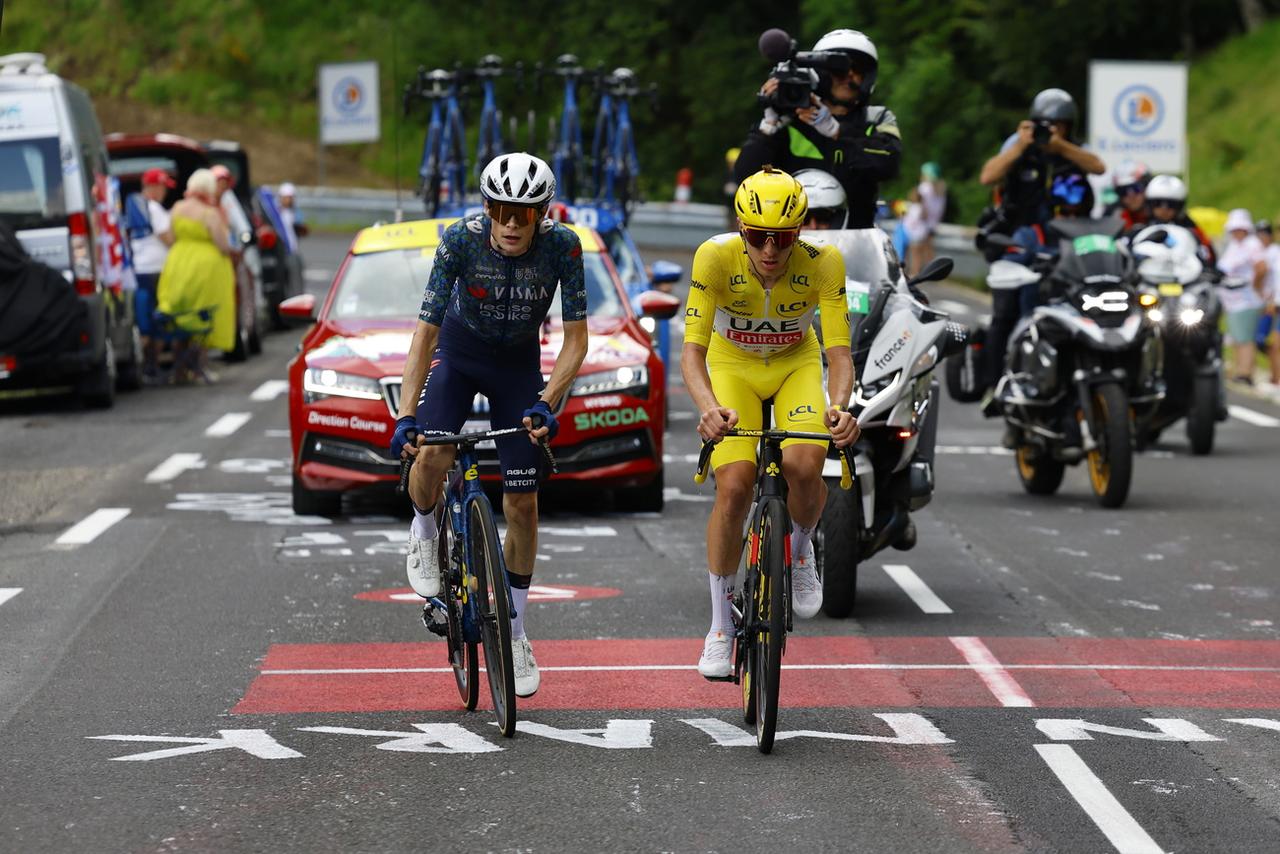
(615, 162)
(567, 150)
(443, 169)
(762, 610)
(473, 610)
(489, 142)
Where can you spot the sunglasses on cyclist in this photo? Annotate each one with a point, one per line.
(1129, 189)
(502, 213)
(1162, 203)
(758, 237)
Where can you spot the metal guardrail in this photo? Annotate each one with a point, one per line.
(653, 224)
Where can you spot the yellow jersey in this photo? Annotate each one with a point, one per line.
(726, 298)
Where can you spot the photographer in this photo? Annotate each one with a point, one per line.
(830, 127)
(1033, 156)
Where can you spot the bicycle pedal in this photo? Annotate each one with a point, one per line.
(729, 678)
(436, 620)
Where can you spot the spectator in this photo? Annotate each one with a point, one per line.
(291, 215)
(915, 227)
(151, 234)
(1266, 341)
(932, 192)
(1130, 181)
(1243, 260)
(197, 284)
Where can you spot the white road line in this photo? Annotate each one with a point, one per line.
(950, 306)
(228, 424)
(975, 450)
(914, 586)
(270, 390)
(7, 593)
(1002, 685)
(1115, 822)
(88, 528)
(175, 465)
(317, 275)
(1255, 418)
(609, 668)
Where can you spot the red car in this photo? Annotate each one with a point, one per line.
(344, 384)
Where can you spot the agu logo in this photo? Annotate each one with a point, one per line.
(348, 95)
(1138, 110)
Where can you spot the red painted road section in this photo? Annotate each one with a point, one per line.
(1077, 675)
(537, 593)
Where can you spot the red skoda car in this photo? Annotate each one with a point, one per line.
(344, 384)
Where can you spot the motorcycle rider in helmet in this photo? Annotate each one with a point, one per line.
(1130, 181)
(1039, 150)
(1167, 198)
(841, 133)
(828, 205)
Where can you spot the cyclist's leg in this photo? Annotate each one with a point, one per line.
(442, 408)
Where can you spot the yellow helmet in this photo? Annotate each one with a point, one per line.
(771, 199)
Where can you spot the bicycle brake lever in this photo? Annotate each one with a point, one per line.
(704, 459)
(403, 487)
(548, 456)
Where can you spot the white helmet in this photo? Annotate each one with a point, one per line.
(1130, 172)
(1167, 188)
(861, 50)
(827, 199)
(519, 179)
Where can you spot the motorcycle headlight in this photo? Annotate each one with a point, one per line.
(318, 384)
(1191, 316)
(629, 379)
(1156, 315)
(863, 394)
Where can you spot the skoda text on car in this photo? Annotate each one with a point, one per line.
(344, 384)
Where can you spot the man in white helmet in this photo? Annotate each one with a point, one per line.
(841, 132)
(828, 205)
(479, 332)
(1167, 198)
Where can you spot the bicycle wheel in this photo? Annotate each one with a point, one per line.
(464, 656)
(495, 613)
(769, 610)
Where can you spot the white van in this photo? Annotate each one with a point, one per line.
(57, 195)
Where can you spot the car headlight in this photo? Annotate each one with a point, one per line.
(631, 379)
(318, 384)
(1191, 316)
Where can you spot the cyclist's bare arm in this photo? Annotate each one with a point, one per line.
(416, 366)
(715, 420)
(572, 352)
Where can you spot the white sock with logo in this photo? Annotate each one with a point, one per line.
(801, 542)
(721, 612)
(424, 524)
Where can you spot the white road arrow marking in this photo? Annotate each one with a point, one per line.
(433, 738)
(616, 735)
(1115, 822)
(1263, 723)
(90, 527)
(174, 466)
(907, 729)
(7, 593)
(255, 742)
(228, 424)
(1167, 729)
(270, 390)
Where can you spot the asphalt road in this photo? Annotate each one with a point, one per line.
(196, 669)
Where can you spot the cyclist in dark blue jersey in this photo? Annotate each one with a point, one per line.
(491, 287)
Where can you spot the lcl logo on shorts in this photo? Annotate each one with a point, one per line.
(804, 409)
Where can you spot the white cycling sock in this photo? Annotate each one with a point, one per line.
(801, 542)
(519, 598)
(721, 613)
(424, 525)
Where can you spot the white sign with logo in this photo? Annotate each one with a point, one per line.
(349, 103)
(1138, 111)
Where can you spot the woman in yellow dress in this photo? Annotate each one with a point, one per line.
(198, 278)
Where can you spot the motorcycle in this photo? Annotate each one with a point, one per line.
(897, 341)
(968, 374)
(1183, 301)
(1082, 373)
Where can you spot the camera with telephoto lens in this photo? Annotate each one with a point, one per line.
(796, 71)
(1042, 132)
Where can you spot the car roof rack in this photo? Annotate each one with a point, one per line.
(23, 63)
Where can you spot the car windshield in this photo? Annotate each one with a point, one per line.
(31, 184)
(390, 284)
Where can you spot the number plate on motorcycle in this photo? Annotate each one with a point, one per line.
(1169, 289)
(857, 296)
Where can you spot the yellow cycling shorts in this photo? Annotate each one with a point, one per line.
(742, 382)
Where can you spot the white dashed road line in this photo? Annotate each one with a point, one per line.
(270, 390)
(951, 306)
(88, 528)
(228, 424)
(1115, 822)
(7, 593)
(1255, 418)
(975, 450)
(914, 586)
(998, 680)
(174, 466)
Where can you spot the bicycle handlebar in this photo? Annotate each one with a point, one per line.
(708, 445)
(471, 438)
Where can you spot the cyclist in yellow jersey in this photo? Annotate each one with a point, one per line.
(749, 337)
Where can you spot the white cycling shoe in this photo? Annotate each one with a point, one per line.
(715, 662)
(423, 566)
(806, 587)
(526, 669)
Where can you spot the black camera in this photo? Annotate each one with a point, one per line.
(795, 71)
(1042, 132)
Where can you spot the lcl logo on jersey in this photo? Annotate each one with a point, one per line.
(737, 282)
(1109, 301)
(797, 307)
(800, 283)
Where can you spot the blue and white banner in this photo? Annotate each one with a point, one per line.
(1138, 111)
(349, 103)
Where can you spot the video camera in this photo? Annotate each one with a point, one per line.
(795, 71)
